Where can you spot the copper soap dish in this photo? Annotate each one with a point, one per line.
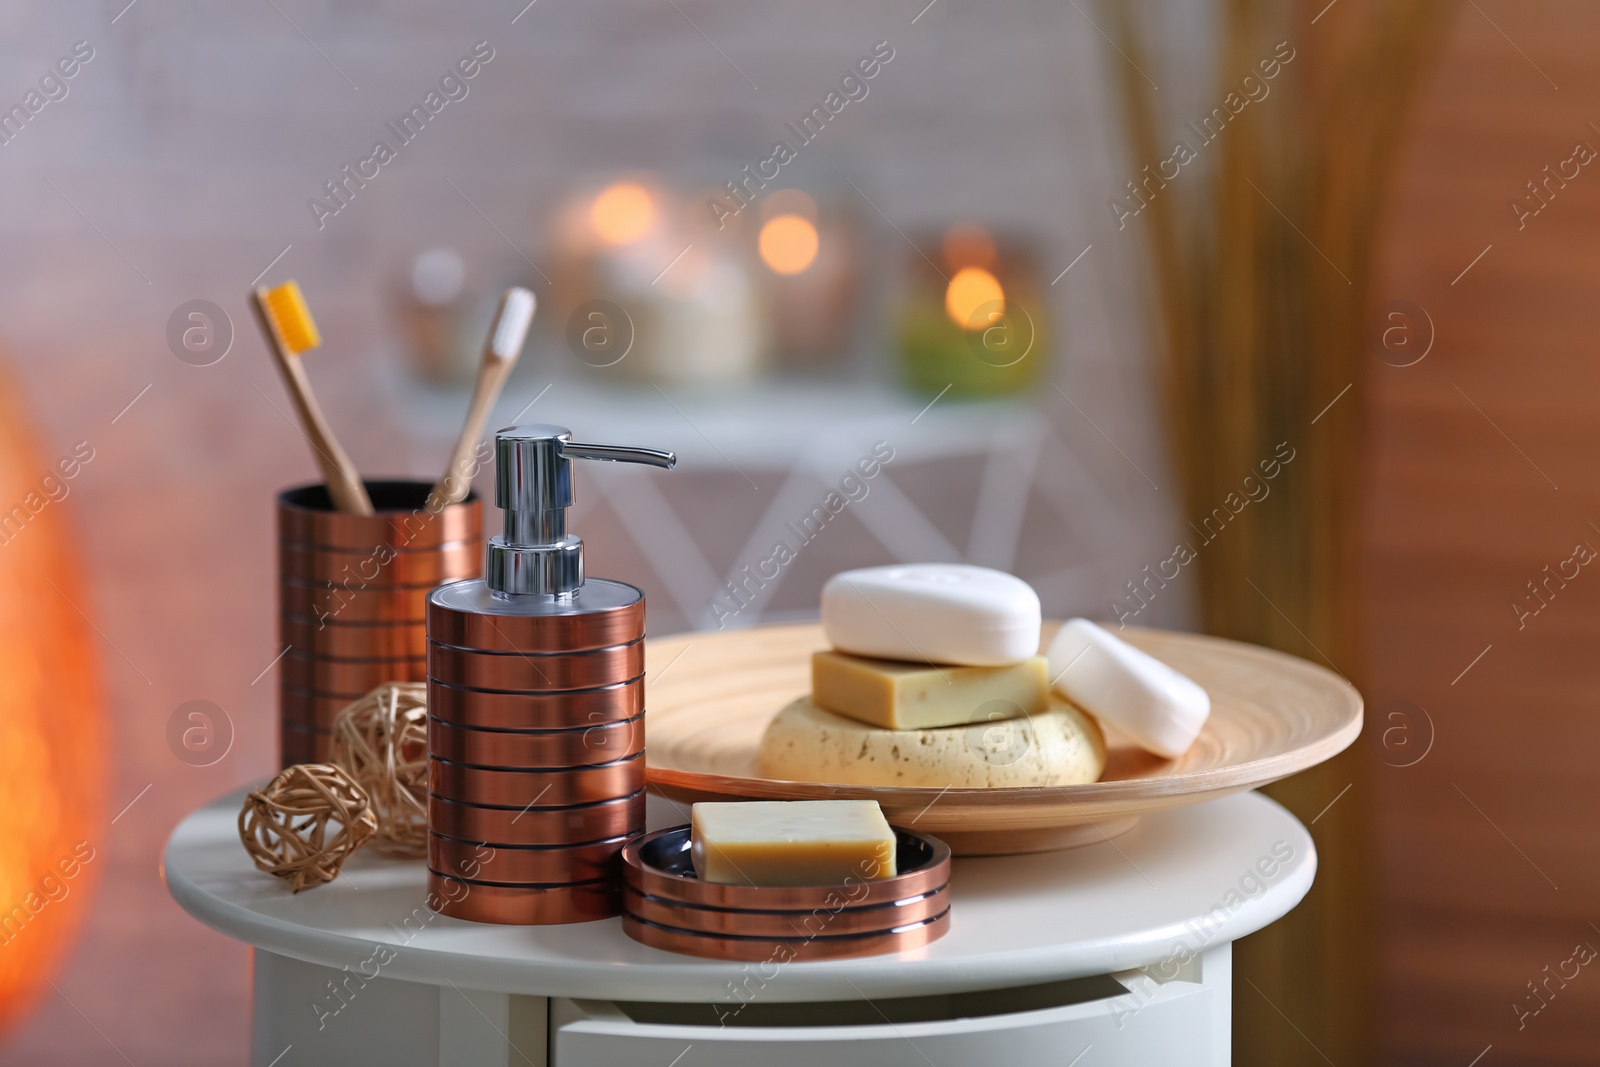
(666, 906)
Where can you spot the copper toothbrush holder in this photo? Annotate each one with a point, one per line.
(352, 598)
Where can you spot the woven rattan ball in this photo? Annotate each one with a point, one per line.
(306, 823)
(382, 740)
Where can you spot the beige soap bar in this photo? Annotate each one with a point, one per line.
(791, 842)
(917, 696)
(1059, 746)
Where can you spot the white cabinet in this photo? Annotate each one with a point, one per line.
(1093, 1022)
(360, 971)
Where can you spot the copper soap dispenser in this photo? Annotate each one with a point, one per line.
(536, 706)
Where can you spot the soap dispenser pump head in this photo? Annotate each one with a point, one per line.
(533, 486)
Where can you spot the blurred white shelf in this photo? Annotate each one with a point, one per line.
(794, 440)
(773, 423)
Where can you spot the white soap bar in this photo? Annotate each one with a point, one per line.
(1159, 708)
(932, 613)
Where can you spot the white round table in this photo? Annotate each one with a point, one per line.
(1118, 953)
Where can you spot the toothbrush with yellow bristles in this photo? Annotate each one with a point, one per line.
(290, 330)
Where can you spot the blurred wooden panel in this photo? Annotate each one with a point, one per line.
(1482, 472)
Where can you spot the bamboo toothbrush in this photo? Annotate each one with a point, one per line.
(290, 330)
(500, 353)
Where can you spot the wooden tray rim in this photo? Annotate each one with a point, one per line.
(1224, 779)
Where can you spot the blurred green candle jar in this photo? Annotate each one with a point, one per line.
(972, 322)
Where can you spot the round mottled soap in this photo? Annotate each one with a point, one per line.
(1058, 746)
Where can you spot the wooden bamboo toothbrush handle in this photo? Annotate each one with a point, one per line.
(345, 488)
(453, 486)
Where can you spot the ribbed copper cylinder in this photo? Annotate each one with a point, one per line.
(322, 674)
(425, 568)
(352, 598)
(519, 672)
(798, 948)
(328, 603)
(575, 631)
(536, 711)
(302, 744)
(579, 746)
(523, 905)
(317, 710)
(667, 906)
(356, 640)
(536, 751)
(882, 918)
(547, 787)
(573, 823)
(524, 864)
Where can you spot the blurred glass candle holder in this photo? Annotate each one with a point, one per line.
(972, 319)
(644, 298)
(810, 278)
(430, 306)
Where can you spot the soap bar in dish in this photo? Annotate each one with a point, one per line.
(897, 695)
(1161, 709)
(791, 842)
(932, 613)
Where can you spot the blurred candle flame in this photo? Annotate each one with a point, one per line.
(623, 213)
(788, 244)
(971, 289)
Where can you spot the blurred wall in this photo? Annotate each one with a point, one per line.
(1481, 690)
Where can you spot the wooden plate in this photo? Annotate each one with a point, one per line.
(1271, 716)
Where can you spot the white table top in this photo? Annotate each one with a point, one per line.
(1194, 877)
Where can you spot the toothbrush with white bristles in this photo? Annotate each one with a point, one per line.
(506, 337)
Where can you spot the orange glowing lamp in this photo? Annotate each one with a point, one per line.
(52, 757)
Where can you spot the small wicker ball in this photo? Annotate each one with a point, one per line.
(382, 741)
(305, 823)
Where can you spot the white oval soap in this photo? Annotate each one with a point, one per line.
(1158, 707)
(932, 613)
